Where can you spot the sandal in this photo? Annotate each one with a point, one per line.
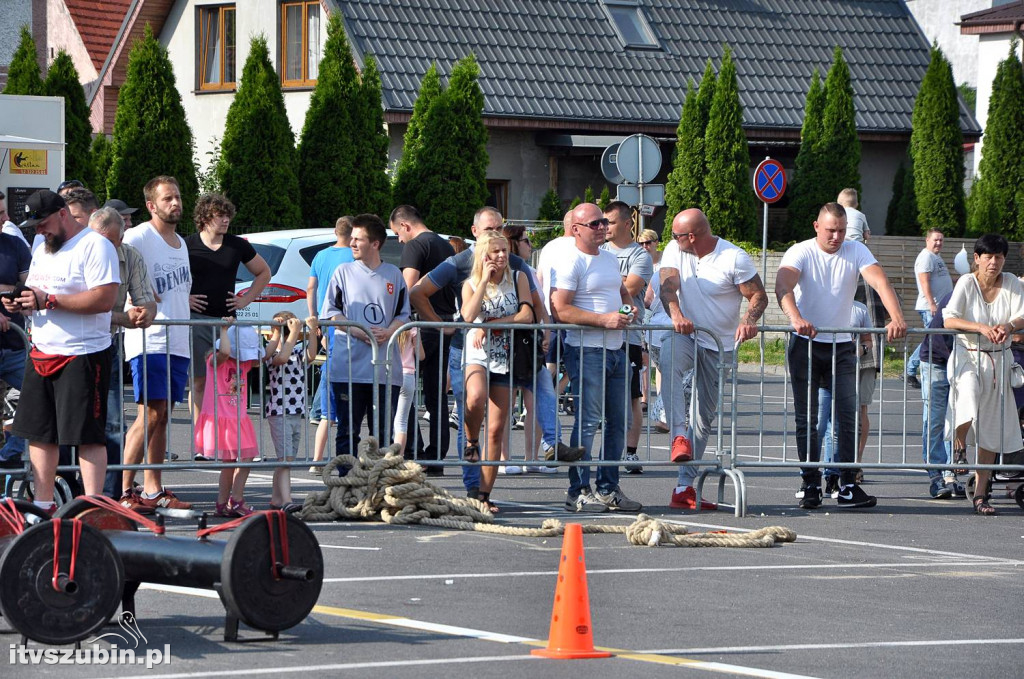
(486, 499)
(472, 452)
(981, 506)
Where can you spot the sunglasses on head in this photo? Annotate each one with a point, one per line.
(70, 184)
(596, 224)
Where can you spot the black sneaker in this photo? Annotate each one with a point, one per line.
(956, 489)
(832, 486)
(913, 382)
(811, 498)
(564, 453)
(853, 496)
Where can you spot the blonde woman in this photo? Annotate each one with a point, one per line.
(491, 294)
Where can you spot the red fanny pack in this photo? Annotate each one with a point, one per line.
(48, 365)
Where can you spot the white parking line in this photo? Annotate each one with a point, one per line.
(949, 643)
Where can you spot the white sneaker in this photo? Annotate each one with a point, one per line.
(513, 470)
(541, 469)
(633, 468)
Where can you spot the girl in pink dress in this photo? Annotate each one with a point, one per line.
(224, 430)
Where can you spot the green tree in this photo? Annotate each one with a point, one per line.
(100, 157)
(257, 163)
(731, 209)
(685, 186)
(327, 181)
(588, 195)
(840, 147)
(550, 211)
(23, 73)
(576, 200)
(453, 156)
(151, 135)
(407, 176)
(808, 190)
(993, 205)
(62, 81)
(604, 198)
(901, 215)
(969, 95)
(936, 145)
(373, 188)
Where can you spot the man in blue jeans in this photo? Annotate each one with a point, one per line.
(935, 449)
(587, 289)
(933, 283)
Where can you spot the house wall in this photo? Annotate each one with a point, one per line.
(207, 111)
(991, 50)
(938, 19)
(879, 162)
(15, 13)
(62, 34)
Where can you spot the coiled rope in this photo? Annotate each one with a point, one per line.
(383, 486)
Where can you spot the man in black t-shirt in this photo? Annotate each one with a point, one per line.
(423, 251)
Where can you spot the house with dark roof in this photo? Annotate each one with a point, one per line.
(563, 79)
(995, 27)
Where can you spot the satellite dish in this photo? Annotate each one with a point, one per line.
(962, 262)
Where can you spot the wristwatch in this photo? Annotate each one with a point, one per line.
(51, 302)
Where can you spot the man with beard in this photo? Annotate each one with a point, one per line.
(156, 388)
(71, 286)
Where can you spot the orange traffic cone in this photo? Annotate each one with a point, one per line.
(570, 636)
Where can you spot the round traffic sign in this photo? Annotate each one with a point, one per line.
(608, 167)
(769, 180)
(633, 150)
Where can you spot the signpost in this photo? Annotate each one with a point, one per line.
(770, 186)
(637, 161)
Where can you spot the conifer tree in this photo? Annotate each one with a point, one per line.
(371, 144)
(257, 163)
(839, 143)
(407, 175)
(906, 211)
(23, 73)
(936, 145)
(588, 195)
(731, 208)
(604, 198)
(62, 81)
(685, 186)
(993, 207)
(550, 211)
(99, 166)
(452, 161)
(808, 191)
(326, 152)
(151, 135)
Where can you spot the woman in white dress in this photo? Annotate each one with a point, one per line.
(490, 294)
(989, 306)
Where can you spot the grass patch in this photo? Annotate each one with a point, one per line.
(775, 354)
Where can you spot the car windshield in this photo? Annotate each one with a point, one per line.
(273, 255)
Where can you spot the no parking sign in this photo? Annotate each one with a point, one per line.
(769, 180)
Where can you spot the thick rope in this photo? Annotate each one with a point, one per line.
(382, 486)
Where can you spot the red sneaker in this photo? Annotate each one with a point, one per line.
(687, 499)
(682, 449)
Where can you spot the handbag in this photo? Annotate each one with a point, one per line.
(1016, 375)
(527, 352)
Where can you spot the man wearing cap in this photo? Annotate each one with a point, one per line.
(71, 287)
(123, 210)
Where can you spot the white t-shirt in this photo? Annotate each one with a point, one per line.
(11, 229)
(708, 293)
(824, 293)
(633, 259)
(856, 224)
(939, 280)
(550, 255)
(498, 302)
(171, 277)
(597, 284)
(85, 261)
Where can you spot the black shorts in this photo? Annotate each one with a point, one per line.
(636, 362)
(69, 408)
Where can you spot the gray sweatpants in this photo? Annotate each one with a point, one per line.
(677, 360)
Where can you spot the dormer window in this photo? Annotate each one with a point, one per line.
(630, 24)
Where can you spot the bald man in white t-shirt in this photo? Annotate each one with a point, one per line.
(815, 286)
(704, 280)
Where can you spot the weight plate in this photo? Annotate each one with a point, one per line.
(101, 518)
(248, 585)
(34, 608)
